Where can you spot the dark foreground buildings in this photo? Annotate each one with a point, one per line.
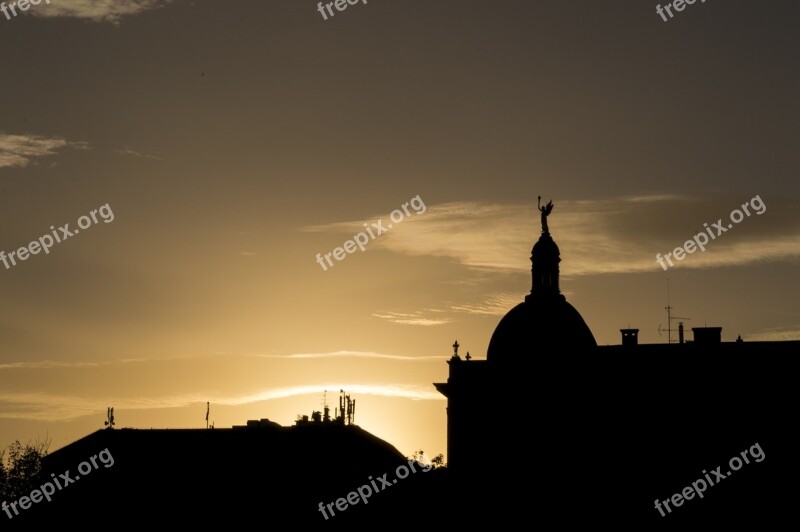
(550, 431)
(552, 428)
(262, 475)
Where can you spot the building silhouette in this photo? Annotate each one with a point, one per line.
(223, 477)
(548, 429)
(552, 425)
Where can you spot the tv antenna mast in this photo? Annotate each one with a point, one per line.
(326, 410)
(670, 318)
(347, 409)
(110, 417)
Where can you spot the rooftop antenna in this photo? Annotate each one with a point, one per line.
(208, 410)
(670, 318)
(110, 417)
(326, 411)
(347, 409)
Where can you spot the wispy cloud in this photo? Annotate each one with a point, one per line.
(47, 407)
(353, 354)
(47, 365)
(34, 402)
(618, 235)
(97, 10)
(777, 334)
(386, 390)
(44, 365)
(410, 318)
(20, 150)
(134, 153)
(494, 305)
(56, 365)
(652, 198)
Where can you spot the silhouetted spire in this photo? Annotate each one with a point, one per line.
(545, 257)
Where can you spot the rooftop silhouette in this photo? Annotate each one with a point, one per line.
(594, 434)
(548, 427)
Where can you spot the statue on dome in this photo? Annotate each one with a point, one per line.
(546, 210)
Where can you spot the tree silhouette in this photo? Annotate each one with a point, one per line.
(437, 461)
(19, 470)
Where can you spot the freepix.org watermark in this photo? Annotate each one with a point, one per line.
(367, 490)
(360, 240)
(340, 5)
(701, 239)
(22, 5)
(48, 489)
(48, 240)
(678, 5)
(699, 486)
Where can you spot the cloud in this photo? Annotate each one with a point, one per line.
(47, 365)
(134, 153)
(778, 334)
(47, 407)
(354, 354)
(414, 318)
(493, 305)
(20, 150)
(406, 391)
(26, 387)
(652, 198)
(97, 10)
(50, 364)
(61, 365)
(617, 235)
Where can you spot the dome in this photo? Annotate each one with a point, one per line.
(545, 321)
(539, 326)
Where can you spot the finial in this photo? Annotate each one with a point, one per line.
(455, 349)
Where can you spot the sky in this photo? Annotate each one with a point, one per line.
(207, 151)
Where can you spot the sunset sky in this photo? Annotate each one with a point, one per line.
(235, 140)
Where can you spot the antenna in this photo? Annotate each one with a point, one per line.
(668, 308)
(326, 411)
(110, 417)
(670, 318)
(208, 410)
(347, 409)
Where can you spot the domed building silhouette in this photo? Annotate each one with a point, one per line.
(525, 344)
(551, 427)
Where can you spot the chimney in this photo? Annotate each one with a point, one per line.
(630, 336)
(707, 335)
(680, 332)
